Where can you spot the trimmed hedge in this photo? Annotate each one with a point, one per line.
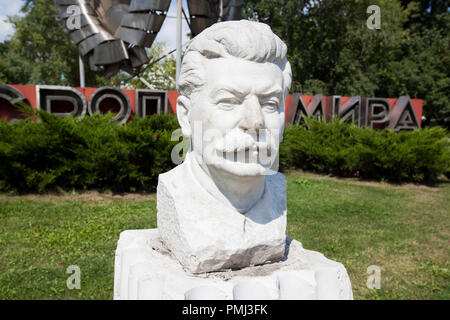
(343, 149)
(95, 152)
(85, 153)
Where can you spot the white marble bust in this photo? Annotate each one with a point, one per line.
(225, 205)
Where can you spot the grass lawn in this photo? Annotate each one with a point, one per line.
(402, 229)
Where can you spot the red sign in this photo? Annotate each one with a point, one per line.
(393, 113)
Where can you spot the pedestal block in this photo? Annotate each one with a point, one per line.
(145, 269)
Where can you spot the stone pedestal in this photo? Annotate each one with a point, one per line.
(145, 269)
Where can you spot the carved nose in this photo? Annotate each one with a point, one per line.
(253, 119)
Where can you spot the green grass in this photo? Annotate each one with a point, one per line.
(40, 239)
(402, 229)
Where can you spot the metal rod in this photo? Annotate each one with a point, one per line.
(82, 75)
(148, 66)
(174, 17)
(146, 83)
(186, 18)
(220, 10)
(178, 59)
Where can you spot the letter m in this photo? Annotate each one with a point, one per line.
(238, 310)
(315, 108)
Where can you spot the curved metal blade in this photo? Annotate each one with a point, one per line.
(113, 34)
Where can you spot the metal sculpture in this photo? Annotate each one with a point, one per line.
(113, 34)
(204, 13)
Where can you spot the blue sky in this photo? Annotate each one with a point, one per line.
(8, 8)
(168, 30)
(166, 34)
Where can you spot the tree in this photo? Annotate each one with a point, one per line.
(41, 51)
(161, 74)
(332, 51)
(424, 14)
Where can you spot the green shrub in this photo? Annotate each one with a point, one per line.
(85, 153)
(343, 149)
(97, 153)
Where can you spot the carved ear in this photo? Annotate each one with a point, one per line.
(183, 107)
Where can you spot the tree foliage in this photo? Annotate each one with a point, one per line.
(160, 73)
(332, 51)
(330, 48)
(42, 52)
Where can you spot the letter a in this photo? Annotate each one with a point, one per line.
(374, 21)
(74, 19)
(73, 282)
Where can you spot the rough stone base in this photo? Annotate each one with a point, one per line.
(144, 269)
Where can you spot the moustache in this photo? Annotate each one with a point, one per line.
(237, 141)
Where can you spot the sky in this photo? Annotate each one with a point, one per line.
(168, 29)
(167, 33)
(8, 8)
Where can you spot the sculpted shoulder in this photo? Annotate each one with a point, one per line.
(177, 179)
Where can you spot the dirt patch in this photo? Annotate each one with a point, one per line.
(84, 196)
(360, 182)
(430, 198)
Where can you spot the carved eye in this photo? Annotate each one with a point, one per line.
(270, 105)
(228, 104)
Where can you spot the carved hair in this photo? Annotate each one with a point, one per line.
(252, 41)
